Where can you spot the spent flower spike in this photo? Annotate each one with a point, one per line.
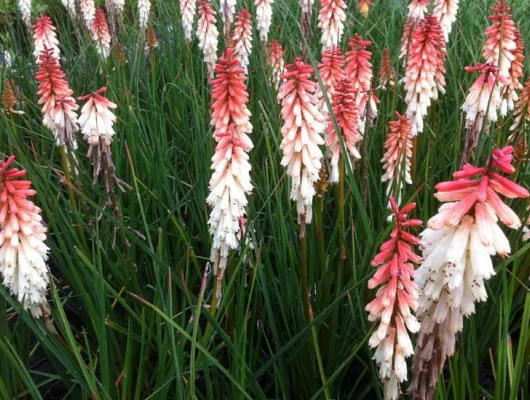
(302, 129)
(396, 299)
(397, 158)
(96, 122)
(44, 37)
(230, 182)
(263, 17)
(23, 253)
(8, 98)
(100, 33)
(242, 38)
(387, 74)
(458, 247)
(346, 115)
(187, 10)
(331, 21)
(424, 74)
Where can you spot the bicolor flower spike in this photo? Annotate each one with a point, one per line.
(23, 253)
(302, 135)
(359, 72)
(44, 37)
(445, 12)
(397, 158)
(458, 247)
(345, 112)
(331, 21)
(100, 33)
(417, 11)
(424, 75)
(208, 34)
(242, 38)
(500, 43)
(396, 299)
(510, 95)
(58, 105)
(263, 18)
(277, 63)
(24, 7)
(187, 11)
(482, 102)
(230, 183)
(331, 71)
(88, 11)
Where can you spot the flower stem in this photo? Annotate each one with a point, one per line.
(303, 271)
(71, 197)
(321, 247)
(342, 220)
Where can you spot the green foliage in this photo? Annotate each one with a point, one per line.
(132, 321)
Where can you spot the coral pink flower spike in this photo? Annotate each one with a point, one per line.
(331, 70)
(345, 112)
(100, 33)
(44, 37)
(424, 75)
(359, 72)
(23, 253)
(396, 299)
(230, 182)
(417, 11)
(397, 158)
(302, 129)
(457, 249)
